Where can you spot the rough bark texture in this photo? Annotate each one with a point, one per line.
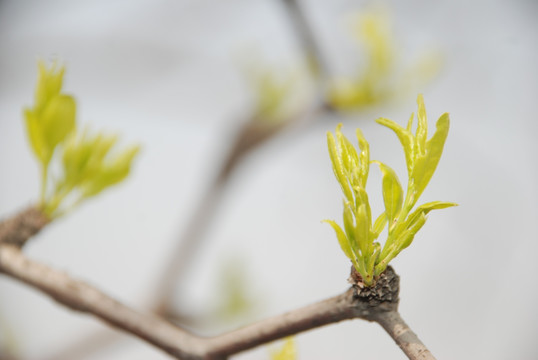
(400, 332)
(18, 229)
(385, 290)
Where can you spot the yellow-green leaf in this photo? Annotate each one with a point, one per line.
(427, 164)
(287, 352)
(337, 166)
(426, 208)
(58, 120)
(422, 127)
(350, 159)
(362, 199)
(364, 164)
(392, 193)
(349, 224)
(49, 84)
(362, 229)
(342, 239)
(371, 260)
(379, 225)
(406, 238)
(410, 122)
(35, 136)
(406, 139)
(112, 173)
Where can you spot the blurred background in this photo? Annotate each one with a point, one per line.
(182, 78)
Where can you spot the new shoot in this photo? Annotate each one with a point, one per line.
(358, 238)
(89, 162)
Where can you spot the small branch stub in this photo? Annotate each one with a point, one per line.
(18, 229)
(384, 292)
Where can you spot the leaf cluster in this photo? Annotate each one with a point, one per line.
(89, 163)
(358, 237)
(382, 76)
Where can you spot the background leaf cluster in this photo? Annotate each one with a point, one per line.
(89, 162)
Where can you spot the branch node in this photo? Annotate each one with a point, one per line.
(383, 295)
(18, 229)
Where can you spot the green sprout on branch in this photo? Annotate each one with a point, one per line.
(89, 162)
(358, 238)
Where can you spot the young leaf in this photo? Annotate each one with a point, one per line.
(349, 154)
(35, 135)
(49, 84)
(426, 208)
(406, 139)
(287, 352)
(364, 163)
(342, 239)
(58, 120)
(392, 192)
(349, 225)
(427, 164)
(379, 225)
(338, 167)
(112, 173)
(407, 236)
(410, 122)
(422, 127)
(362, 229)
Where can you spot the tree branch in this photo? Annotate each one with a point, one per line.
(305, 34)
(82, 297)
(378, 303)
(17, 229)
(338, 308)
(400, 332)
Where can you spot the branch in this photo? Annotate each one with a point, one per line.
(400, 332)
(342, 307)
(250, 136)
(82, 297)
(305, 35)
(378, 303)
(17, 229)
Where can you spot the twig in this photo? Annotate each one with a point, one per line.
(406, 339)
(305, 35)
(252, 134)
(378, 303)
(17, 229)
(82, 297)
(342, 307)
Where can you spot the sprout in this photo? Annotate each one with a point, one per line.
(383, 75)
(358, 238)
(51, 119)
(87, 162)
(89, 166)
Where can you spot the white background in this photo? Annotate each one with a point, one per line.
(166, 74)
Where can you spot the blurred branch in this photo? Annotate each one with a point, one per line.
(82, 297)
(378, 303)
(17, 229)
(306, 37)
(252, 134)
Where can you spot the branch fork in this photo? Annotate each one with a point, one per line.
(378, 303)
